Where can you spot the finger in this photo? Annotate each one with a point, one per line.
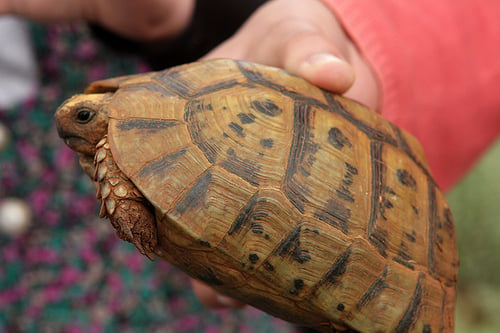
(138, 20)
(294, 41)
(5, 7)
(308, 54)
(311, 55)
(45, 10)
(213, 299)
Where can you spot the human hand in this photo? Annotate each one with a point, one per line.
(140, 20)
(305, 38)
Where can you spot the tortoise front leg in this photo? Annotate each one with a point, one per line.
(125, 206)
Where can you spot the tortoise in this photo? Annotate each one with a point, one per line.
(300, 202)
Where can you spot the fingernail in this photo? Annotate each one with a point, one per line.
(226, 301)
(328, 72)
(321, 59)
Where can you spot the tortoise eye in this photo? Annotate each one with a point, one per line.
(84, 116)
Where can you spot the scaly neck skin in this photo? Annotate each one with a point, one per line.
(87, 164)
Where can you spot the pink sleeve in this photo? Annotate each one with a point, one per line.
(438, 63)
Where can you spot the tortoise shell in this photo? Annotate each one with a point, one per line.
(300, 202)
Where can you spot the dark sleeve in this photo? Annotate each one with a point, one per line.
(213, 22)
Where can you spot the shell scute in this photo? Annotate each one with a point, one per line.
(214, 193)
(146, 102)
(198, 79)
(235, 144)
(163, 179)
(113, 84)
(286, 84)
(258, 226)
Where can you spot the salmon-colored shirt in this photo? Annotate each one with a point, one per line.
(438, 63)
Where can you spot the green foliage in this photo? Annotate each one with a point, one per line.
(475, 203)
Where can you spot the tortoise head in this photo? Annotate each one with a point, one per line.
(82, 121)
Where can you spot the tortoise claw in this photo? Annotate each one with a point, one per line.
(144, 245)
(147, 252)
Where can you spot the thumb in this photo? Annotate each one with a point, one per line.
(313, 57)
(300, 49)
(296, 42)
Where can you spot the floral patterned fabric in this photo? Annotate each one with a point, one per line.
(69, 272)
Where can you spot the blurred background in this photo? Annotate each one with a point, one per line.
(63, 270)
(475, 203)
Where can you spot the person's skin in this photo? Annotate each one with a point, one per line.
(301, 36)
(305, 38)
(140, 20)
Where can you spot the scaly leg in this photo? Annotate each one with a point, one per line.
(125, 206)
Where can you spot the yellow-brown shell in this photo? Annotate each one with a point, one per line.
(302, 203)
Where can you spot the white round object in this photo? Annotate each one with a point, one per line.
(4, 137)
(15, 216)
